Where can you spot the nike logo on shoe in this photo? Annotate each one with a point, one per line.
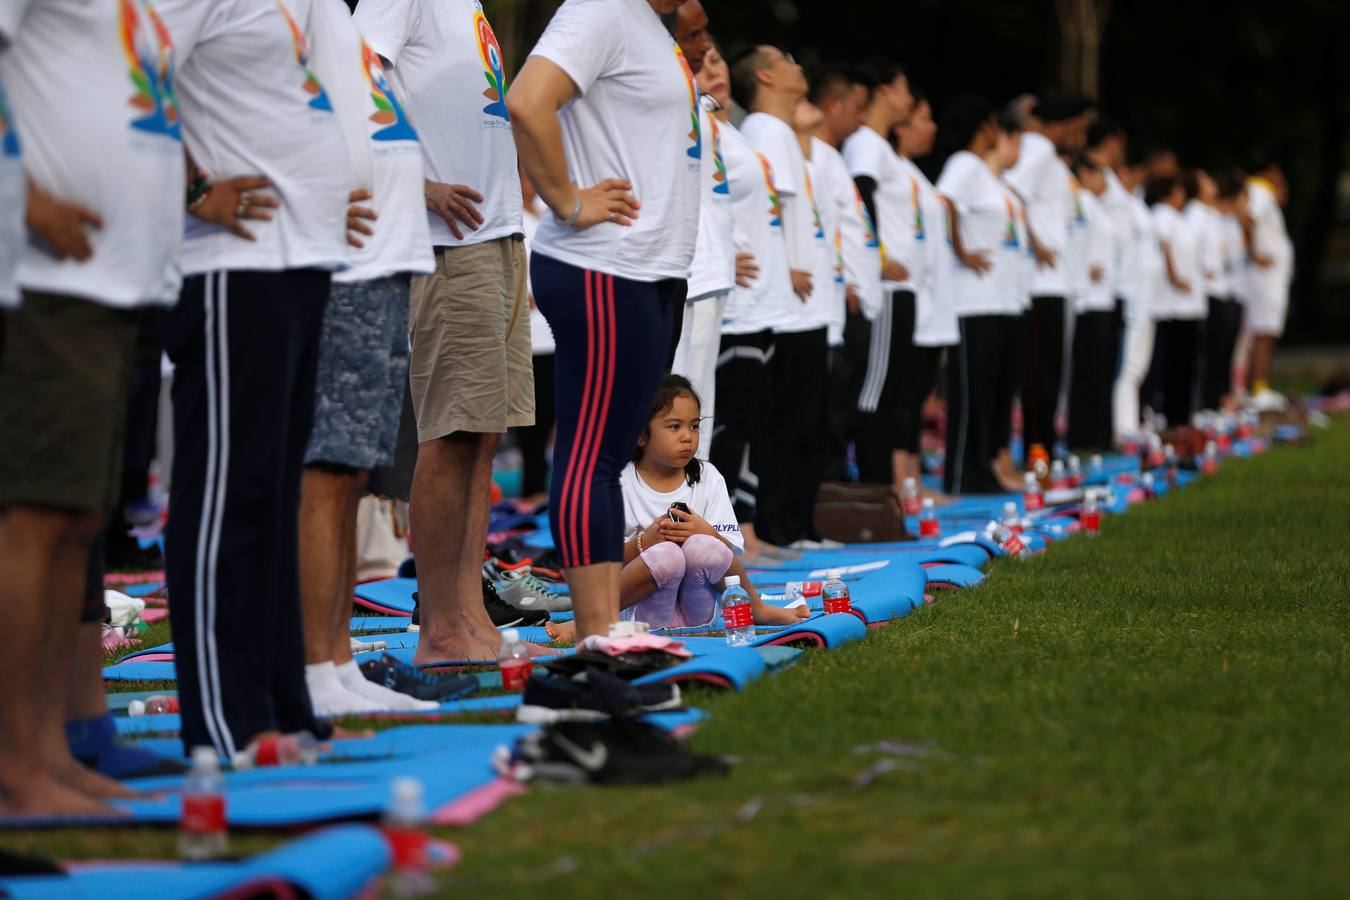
(592, 760)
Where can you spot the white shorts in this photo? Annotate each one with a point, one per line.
(1267, 300)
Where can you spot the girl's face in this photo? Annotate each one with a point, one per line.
(672, 434)
(715, 78)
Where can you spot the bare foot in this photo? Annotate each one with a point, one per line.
(42, 795)
(91, 783)
(562, 632)
(939, 498)
(349, 734)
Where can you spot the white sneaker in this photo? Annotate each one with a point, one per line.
(1267, 400)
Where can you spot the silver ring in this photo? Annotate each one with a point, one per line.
(614, 216)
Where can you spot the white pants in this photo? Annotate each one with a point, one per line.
(1133, 370)
(696, 358)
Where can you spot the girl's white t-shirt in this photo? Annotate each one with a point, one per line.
(1046, 186)
(757, 228)
(862, 253)
(642, 505)
(987, 214)
(92, 87)
(636, 117)
(1145, 300)
(1184, 245)
(934, 310)
(1099, 250)
(447, 67)
(383, 145)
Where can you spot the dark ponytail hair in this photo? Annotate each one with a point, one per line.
(670, 388)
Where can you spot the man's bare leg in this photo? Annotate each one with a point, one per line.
(450, 518)
(340, 626)
(324, 496)
(29, 541)
(1263, 349)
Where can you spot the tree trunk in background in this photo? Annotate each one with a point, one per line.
(1081, 25)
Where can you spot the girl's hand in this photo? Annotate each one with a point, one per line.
(689, 525)
(652, 536)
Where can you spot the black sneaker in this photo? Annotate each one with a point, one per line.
(593, 695)
(408, 679)
(616, 751)
(416, 623)
(504, 615)
(628, 666)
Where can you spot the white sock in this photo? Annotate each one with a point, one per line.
(349, 674)
(329, 696)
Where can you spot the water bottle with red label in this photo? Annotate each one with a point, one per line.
(835, 593)
(1033, 498)
(1059, 479)
(909, 498)
(403, 830)
(1010, 540)
(928, 520)
(1010, 517)
(157, 704)
(1156, 455)
(1096, 467)
(737, 615)
(1075, 473)
(514, 661)
(1090, 516)
(202, 831)
(1209, 463)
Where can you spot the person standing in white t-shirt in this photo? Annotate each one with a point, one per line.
(770, 84)
(715, 256)
(609, 267)
(841, 95)
(1269, 273)
(740, 439)
(890, 197)
(470, 370)
(1056, 126)
(935, 326)
(1225, 311)
(363, 359)
(244, 340)
(990, 256)
(1093, 359)
(1143, 286)
(1183, 306)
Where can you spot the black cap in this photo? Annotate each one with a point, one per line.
(1057, 106)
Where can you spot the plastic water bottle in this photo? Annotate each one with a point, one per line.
(1209, 463)
(928, 520)
(1156, 456)
(836, 593)
(514, 661)
(909, 498)
(1075, 471)
(1146, 482)
(1059, 479)
(155, 705)
(1010, 517)
(1038, 462)
(1010, 540)
(1033, 498)
(202, 833)
(1170, 460)
(403, 829)
(1096, 467)
(1090, 516)
(299, 749)
(737, 617)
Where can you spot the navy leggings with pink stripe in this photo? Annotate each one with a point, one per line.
(613, 337)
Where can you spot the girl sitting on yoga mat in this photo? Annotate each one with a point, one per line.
(681, 536)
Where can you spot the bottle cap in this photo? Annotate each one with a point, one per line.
(1096, 460)
(1074, 461)
(136, 708)
(205, 757)
(406, 791)
(1029, 477)
(910, 482)
(927, 502)
(510, 636)
(834, 575)
(733, 581)
(1057, 466)
(1010, 508)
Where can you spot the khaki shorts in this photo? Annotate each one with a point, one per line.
(65, 364)
(471, 368)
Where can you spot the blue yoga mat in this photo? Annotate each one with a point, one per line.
(306, 864)
(960, 576)
(392, 593)
(832, 631)
(734, 666)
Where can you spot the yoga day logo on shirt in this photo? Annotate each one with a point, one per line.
(696, 134)
(1079, 219)
(388, 111)
(869, 230)
(720, 169)
(1010, 233)
(152, 74)
(318, 97)
(918, 208)
(838, 255)
(491, 52)
(9, 144)
(775, 207)
(815, 210)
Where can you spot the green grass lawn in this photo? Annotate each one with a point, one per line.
(1162, 711)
